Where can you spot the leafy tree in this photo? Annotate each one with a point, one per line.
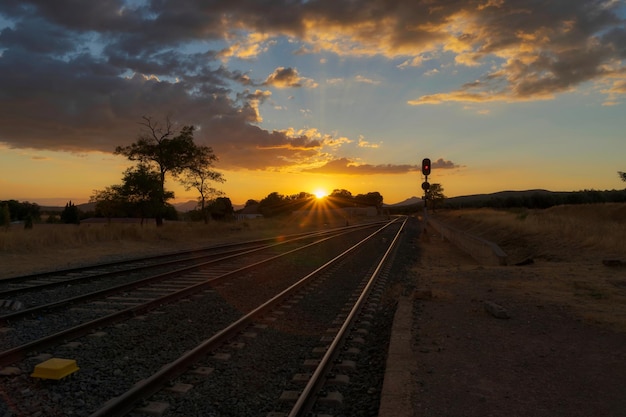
(341, 198)
(276, 204)
(221, 208)
(142, 189)
(198, 175)
(436, 196)
(251, 202)
(272, 205)
(5, 216)
(622, 175)
(160, 146)
(70, 214)
(370, 199)
(110, 202)
(20, 211)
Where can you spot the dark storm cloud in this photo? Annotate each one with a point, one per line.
(56, 93)
(79, 75)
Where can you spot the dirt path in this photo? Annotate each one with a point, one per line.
(560, 353)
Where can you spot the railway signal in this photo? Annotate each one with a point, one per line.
(426, 166)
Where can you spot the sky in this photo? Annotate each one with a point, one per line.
(316, 95)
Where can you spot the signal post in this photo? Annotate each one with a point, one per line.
(425, 187)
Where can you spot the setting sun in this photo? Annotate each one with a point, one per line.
(320, 194)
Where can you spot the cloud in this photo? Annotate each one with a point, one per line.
(365, 80)
(284, 78)
(334, 81)
(415, 61)
(288, 77)
(365, 144)
(345, 166)
(78, 76)
(443, 164)
(250, 147)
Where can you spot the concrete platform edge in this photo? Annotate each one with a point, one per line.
(397, 390)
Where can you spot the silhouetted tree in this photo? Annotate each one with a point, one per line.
(159, 146)
(436, 198)
(20, 210)
(341, 198)
(198, 175)
(251, 203)
(5, 216)
(221, 209)
(110, 202)
(70, 214)
(142, 188)
(272, 205)
(622, 175)
(370, 199)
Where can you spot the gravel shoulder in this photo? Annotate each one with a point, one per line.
(560, 351)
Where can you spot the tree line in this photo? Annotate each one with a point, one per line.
(276, 204)
(29, 213)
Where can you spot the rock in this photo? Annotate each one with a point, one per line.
(496, 310)
(613, 263)
(10, 371)
(422, 294)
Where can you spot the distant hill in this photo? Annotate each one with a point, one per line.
(411, 201)
(468, 200)
(186, 206)
(57, 209)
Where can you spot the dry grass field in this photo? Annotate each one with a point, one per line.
(587, 230)
(561, 350)
(56, 246)
(567, 246)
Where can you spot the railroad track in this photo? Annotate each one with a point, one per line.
(20, 285)
(23, 295)
(216, 310)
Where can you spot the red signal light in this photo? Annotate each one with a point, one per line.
(426, 166)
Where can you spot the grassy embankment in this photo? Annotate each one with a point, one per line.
(568, 246)
(597, 228)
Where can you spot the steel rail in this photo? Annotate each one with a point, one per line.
(17, 353)
(145, 281)
(126, 402)
(306, 399)
(133, 268)
(98, 266)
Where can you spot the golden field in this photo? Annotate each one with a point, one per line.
(56, 246)
(567, 246)
(574, 229)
